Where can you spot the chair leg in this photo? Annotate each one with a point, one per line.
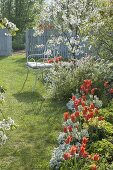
(34, 87)
(25, 80)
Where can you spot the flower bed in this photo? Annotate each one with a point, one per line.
(84, 129)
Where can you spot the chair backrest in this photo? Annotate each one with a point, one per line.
(50, 50)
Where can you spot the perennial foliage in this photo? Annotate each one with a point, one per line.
(65, 79)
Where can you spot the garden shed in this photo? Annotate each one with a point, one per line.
(5, 43)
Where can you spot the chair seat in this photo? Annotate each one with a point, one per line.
(36, 65)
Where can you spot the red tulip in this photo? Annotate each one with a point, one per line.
(72, 117)
(77, 113)
(87, 117)
(65, 129)
(73, 98)
(83, 103)
(60, 57)
(84, 112)
(93, 167)
(86, 91)
(70, 128)
(67, 156)
(100, 118)
(68, 140)
(92, 106)
(93, 91)
(56, 59)
(50, 61)
(96, 157)
(84, 97)
(86, 108)
(66, 116)
(111, 91)
(84, 140)
(73, 150)
(82, 149)
(91, 114)
(85, 154)
(82, 88)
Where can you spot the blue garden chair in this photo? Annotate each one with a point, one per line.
(38, 63)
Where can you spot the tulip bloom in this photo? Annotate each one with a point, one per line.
(93, 167)
(85, 154)
(82, 88)
(84, 97)
(92, 91)
(92, 106)
(73, 150)
(72, 117)
(84, 140)
(67, 156)
(70, 128)
(77, 113)
(68, 140)
(100, 118)
(66, 116)
(73, 98)
(82, 149)
(65, 129)
(50, 61)
(111, 91)
(96, 157)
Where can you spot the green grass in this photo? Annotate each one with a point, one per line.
(29, 147)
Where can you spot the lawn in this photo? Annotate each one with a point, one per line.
(29, 147)
(38, 117)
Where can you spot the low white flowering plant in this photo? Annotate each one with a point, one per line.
(6, 123)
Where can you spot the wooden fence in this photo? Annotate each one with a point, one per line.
(5, 43)
(32, 42)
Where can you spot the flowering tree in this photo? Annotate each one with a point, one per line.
(70, 18)
(5, 23)
(102, 39)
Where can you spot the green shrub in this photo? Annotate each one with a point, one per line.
(104, 148)
(108, 114)
(66, 80)
(18, 42)
(103, 130)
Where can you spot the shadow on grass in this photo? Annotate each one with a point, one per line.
(3, 57)
(21, 60)
(28, 97)
(46, 107)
